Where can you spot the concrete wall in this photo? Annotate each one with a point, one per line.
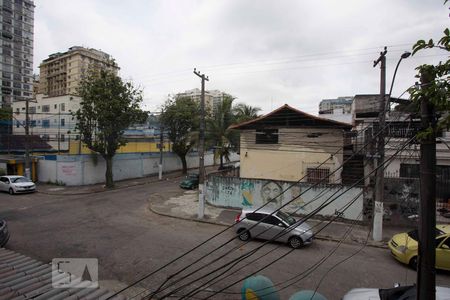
(86, 169)
(240, 192)
(293, 155)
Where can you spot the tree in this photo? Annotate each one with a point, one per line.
(218, 134)
(244, 112)
(437, 78)
(108, 107)
(180, 119)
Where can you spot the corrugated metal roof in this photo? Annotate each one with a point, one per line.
(22, 277)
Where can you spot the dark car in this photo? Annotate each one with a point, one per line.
(191, 182)
(4, 233)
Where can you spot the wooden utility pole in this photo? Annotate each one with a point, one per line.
(201, 149)
(426, 273)
(379, 179)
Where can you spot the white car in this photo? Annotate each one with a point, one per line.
(16, 184)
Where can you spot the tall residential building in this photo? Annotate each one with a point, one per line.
(61, 73)
(16, 61)
(212, 97)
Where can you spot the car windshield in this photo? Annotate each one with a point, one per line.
(20, 179)
(193, 176)
(286, 218)
(414, 234)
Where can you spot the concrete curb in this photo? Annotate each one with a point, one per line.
(319, 237)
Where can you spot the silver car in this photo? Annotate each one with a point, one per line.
(16, 184)
(279, 225)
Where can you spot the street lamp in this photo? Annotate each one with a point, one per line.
(406, 54)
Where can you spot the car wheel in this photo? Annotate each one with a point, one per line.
(413, 262)
(244, 235)
(11, 191)
(295, 242)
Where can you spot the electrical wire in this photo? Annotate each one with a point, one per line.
(138, 281)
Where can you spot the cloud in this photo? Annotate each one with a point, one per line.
(266, 53)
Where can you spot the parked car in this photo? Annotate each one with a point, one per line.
(273, 225)
(191, 182)
(16, 184)
(404, 247)
(4, 233)
(401, 292)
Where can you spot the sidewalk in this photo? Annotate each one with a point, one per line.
(186, 207)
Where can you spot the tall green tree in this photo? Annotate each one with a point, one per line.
(244, 112)
(108, 107)
(180, 119)
(437, 78)
(218, 134)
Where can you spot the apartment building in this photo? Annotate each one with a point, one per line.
(55, 95)
(61, 73)
(16, 50)
(212, 97)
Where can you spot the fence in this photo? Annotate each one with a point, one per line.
(90, 169)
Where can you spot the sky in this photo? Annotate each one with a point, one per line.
(264, 53)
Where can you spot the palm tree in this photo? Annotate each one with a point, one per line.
(244, 112)
(218, 134)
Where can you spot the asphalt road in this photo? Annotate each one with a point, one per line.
(129, 241)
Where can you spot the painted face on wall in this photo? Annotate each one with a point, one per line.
(269, 193)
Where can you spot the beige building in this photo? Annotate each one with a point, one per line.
(61, 73)
(212, 97)
(288, 144)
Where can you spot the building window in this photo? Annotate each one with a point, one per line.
(63, 106)
(63, 122)
(62, 137)
(56, 106)
(45, 108)
(33, 123)
(32, 110)
(17, 124)
(314, 175)
(267, 136)
(45, 123)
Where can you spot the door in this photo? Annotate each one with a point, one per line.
(4, 184)
(256, 229)
(443, 255)
(273, 228)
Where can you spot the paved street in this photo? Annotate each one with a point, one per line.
(129, 240)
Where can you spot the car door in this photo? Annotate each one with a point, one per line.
(256, 229)
(4, 184)
(273, 228)
(443, 254)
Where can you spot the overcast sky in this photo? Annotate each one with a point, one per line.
(265, 53)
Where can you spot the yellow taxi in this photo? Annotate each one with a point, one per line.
(404, 247)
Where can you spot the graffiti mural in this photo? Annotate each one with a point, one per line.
(247, 189)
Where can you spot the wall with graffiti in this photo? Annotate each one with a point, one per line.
(302, 198)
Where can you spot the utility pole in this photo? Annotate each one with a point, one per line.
(379, 179)
(161, 142)
(59, 128)
(27, 136)
(426, 274)
(201, 149)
